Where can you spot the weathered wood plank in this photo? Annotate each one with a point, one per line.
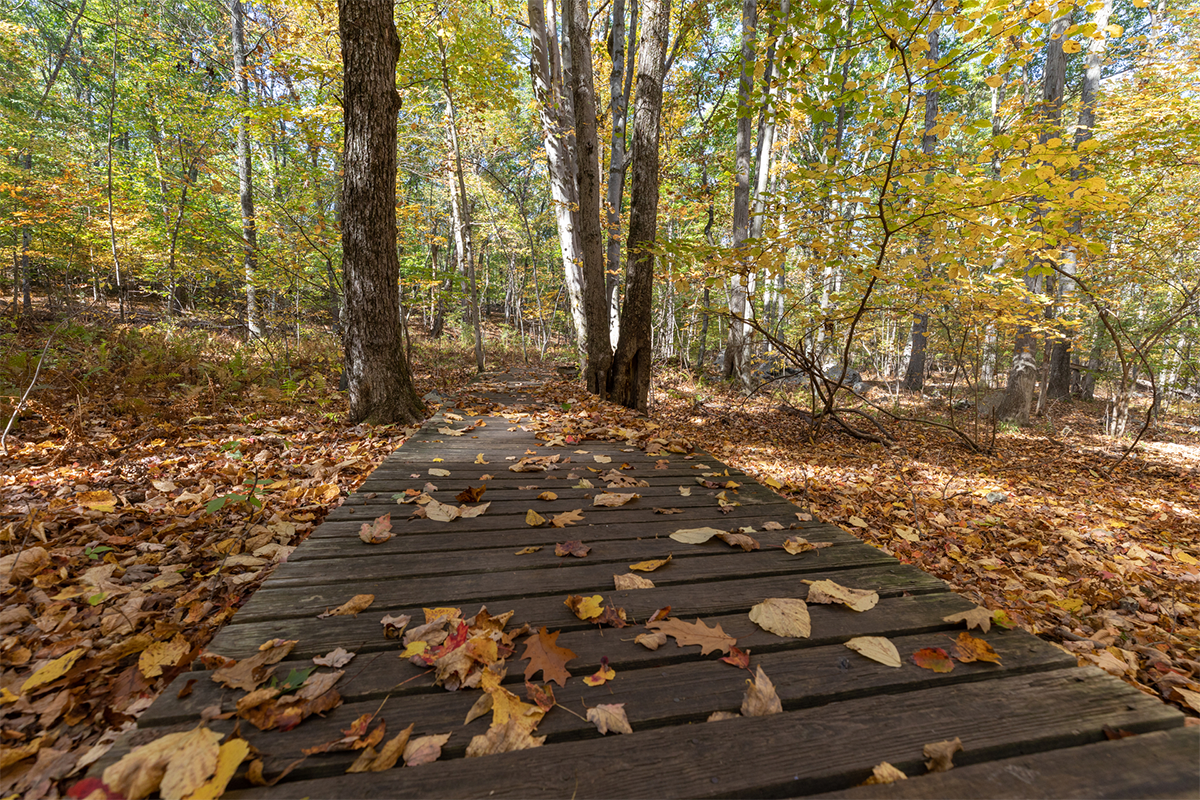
(797, 752)
(1162, 764)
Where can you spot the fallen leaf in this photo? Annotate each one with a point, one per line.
(441, 512)
(738, 658)
(609, 717)
(631, 581)
(884, 773)
(977, 617)
(449, 431)
(685, 491)
(661, 613)
(479, 459)
(771, 525)
(761, 699)
(470, 512)
(547, 496)
(388, 755)
(534, 519)
(350, 608)
(876, 648)
(697, 633)
(602, 676)
(826, 591)
(541, 695)
(613, 499)
(176, 764)
(23, 564)
(695, 535)
(424, 749)
(717, 716)
(504, 738)
(798, 544)
(941, 754)
(1186, 697)
(602, 459)
(101, 500)
(651, 641)
(782, 616)
(229, 758)
(571, 548)
(658, 510)
(439, 472)
(481, 707)
(524, 551)
(51, 671)
(248, 673)
(800, 515)
(547, 657)
(336, 658)
(163, 654)
(968, 648)
(585, 607)
(378, 531)
(567, 518)
(747, 543)
(858, 522)
(393, 627)
(650, 566)
(934, 658)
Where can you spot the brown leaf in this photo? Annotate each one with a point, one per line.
(782, 616)
(977, 617)
(609, 717)
(248, 673)
(503, 738)
(798, 544)
(658, 510)
(471, 494)
(177, 763)
(760, 699)
(441, 512)
(350, 608)
(470, 512)
(771, 525)
(534, 519)
(697, 633)
(967, 648)
(738, 658)
(338, 657)
(571, 548)
(547, 496)
(613, 499)
(651, 641)
(884, 773)
(876, 648)
(23, 565)
(696, 535)
(388, 755)
(717, 716)
(631, 581)
(163, 654)
(541, 695)
(524, 551)
(424, 750)
(393, 626)
(567, 518)
(378, 531)
(650, 566)
(826, 591)
(933, 658)
(747, 543)
(941, 754)
(547, 657)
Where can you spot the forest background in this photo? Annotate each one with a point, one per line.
(982, 215)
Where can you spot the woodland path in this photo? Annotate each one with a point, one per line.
(1033, 726)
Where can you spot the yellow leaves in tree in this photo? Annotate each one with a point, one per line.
(782, 616)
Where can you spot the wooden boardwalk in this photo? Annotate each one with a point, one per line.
(1033, 726)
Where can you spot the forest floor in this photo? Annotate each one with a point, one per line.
(154, 478)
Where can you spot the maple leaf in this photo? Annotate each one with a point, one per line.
(547, 657)
(350, 608)
(761, 699)
(876, 648)
(503, 738)
(571, 548)
(567, 518)
(697, 633)
(631, 581)
(585, 607)
(967, 648)
(933, 658)
(650, 566)
(609, 717)
(534, 519)
(977, 617)
(378, 531)
(782, 616)
(541, 695)
(424, 750)
(738, 658)
(826, 591)
(941, 754)
(603, 675)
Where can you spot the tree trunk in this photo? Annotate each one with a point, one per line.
(914, 373)
(619, 82)
(629, 378)
(245, 168)
(557, 121)
(737, 346)
(380, 386)
(599, 349)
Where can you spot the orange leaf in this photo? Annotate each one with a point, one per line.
(934, 658)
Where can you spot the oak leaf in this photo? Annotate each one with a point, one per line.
(609, 717)
(546, 656)
(377, 532)
(782, 616)
(876, 648)
(761, 699)
(567, 518)
(697, 633)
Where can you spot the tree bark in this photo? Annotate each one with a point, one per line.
(245, 168)
(629, 377)
(737, 346)
(557, 121)
(380, 386)
(619, 83)
(598, 346)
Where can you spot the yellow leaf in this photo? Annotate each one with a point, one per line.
(547, 496)
(534, 519)
(631, 581)
(858, 522)
(876, 648)
(782, 616)
(602, 676)
(885, 773)
(695, 535)
(993, 81)
(585, 607)
(162, 654)
(650, 566)
(774, 484)
(51, 672)
(479, 459)
(229, 758)
(1071, 46)
(102, 500)
(826, 591)
(415, 648)
(1185, 558)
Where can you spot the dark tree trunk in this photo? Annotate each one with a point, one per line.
(629, 378)
(245, 169)
(381, 389)
(737, 345)
(591, 240)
